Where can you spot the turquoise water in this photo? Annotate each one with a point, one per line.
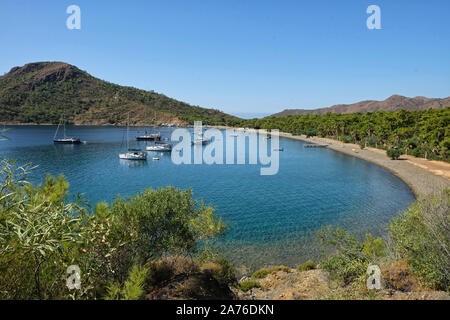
(271, 219)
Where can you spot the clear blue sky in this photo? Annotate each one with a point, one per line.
(240, 55)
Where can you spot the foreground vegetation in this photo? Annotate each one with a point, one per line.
(419, 133)
(418, 237)
(114, 245)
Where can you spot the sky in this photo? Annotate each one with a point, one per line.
(242, 56)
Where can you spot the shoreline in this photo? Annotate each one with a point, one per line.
(420, 175)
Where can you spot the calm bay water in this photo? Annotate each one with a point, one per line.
(271, 219)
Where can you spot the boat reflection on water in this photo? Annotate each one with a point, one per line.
(133, 164)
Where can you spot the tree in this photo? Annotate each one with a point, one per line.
(394, 154)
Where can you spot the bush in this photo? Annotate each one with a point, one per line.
(362, 145)
(421, 235)
(157, 223)
(394, 154)
(344, 270)
(42, 233)
(309, 265)
(348, 263)
(264, 272)
(248, 285)
(227, 273)
(374, 248)
(133, 288)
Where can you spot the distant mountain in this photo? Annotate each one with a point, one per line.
(251, 115)
(394, 103)
(40, 92)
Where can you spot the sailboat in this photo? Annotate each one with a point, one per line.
(65, 139)
(200, 139)
(132, 154)
(150, 136)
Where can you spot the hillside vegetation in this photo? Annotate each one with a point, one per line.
(424, 133)
(40, 92)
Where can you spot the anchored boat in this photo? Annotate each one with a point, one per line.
(132, 154)
(64, 139)
(200, 140)
(150, 136)
(162, 147)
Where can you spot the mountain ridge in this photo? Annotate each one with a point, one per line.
(40, 92)
(393, 103)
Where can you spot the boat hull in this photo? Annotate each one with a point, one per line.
(133, 156)
(66, 141)
(147, 138)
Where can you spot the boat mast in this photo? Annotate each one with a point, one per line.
(145, 119)
(64, 122)
(56, 133)
(128, 129)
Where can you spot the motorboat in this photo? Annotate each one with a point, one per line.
(133, 154)
(164, 147)
(149, 137)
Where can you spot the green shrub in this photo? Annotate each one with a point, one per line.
(157, 223)
(374, 248)
(421, 235)
(348, 262)
(264, 272)
(227, 274)
(344, 270)
(308, 265)
(248, 285)
(362, 145)
(394, 154)
(133, 288)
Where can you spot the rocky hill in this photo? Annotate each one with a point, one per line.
(393, 103)
(40, 92)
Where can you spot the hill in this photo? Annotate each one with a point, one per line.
(39, 93)
(393, 103)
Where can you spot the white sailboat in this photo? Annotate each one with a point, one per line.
(150, 136)
(132, 154)
(201, 140)
(65, 139)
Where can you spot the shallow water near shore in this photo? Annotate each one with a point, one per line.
(271, 219)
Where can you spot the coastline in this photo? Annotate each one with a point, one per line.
(422, 176)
